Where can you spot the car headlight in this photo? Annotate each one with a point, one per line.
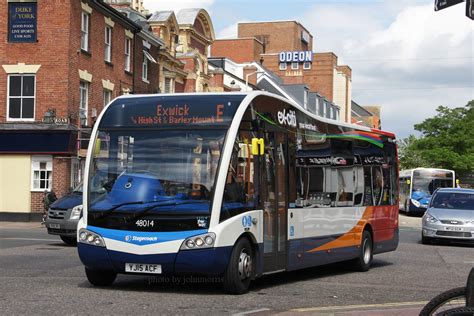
(90, 238)
(430, 218)
(199, 242)
(415, 202)
(76, 212)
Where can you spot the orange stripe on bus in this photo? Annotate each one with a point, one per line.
(352, 237)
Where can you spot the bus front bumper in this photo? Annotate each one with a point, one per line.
(209, 261)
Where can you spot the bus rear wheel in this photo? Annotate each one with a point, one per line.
(240, 268)
(100, 278)
(366, 253)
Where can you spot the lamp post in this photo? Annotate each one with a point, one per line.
(247, 77)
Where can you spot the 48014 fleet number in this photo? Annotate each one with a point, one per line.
(145, 223)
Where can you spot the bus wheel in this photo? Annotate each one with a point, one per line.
(240, 268)
(100, 278)
(366, 253)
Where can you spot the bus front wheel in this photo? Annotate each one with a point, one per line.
(100, 278)
(239, 271)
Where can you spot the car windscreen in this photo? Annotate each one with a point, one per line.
(448, 200)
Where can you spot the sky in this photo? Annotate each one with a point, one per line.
(404, 56)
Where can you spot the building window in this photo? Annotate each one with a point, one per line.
(77, 170)
(42, 169)
(83, 102)
(108, 44)
(327, 111)
(168, 85)
(307, 65)
(107, 96)
(21, 97)
(294, 66)
(145, 68)
(128, 45)
(85, 31)
(283, 66)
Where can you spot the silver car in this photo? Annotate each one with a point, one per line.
(450, 215)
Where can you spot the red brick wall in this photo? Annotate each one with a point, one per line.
(320, 78)
(51, 51)
(61, 176)
(277, 36)
(94, 62)
(141, 86)
(239, 50)
(61, 183)
(37, 204)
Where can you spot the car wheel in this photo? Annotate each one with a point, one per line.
(100, 278)
(239, 271)
(425, 240)
(69, 240)
(366, 253)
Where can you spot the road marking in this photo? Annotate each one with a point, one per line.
(32, 239)
(251, 312)
(351, 307)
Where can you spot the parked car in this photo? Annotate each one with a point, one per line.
(64, 213)
(450, 215)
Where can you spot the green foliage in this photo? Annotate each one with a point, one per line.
(447, 141)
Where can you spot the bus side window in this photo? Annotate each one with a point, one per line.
(368, 196)
(239, 187)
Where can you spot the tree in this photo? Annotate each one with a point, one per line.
(447, 140)
(408, 155)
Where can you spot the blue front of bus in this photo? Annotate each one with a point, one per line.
(161, 157)
(419, 201)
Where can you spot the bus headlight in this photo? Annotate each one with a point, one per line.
(199, 242)
(415, 202)
(90, 238)
(76, 212)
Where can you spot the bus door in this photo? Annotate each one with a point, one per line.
(274, 200)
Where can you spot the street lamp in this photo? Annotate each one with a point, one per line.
(247, 77)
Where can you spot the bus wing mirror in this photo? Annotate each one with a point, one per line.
(258, 146)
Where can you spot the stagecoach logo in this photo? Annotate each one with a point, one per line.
(287, 118)
(129, 238)
(247, 221)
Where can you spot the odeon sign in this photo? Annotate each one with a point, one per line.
(296, 57)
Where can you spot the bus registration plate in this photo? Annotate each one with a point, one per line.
(143, 268)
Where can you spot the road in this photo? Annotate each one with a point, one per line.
(40, 275)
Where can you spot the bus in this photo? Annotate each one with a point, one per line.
(233, 186)
(417, 186)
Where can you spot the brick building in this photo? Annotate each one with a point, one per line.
(286, 49)
(61, 61)
(187, 36)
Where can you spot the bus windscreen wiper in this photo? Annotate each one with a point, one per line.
(111, 210)
(148, 209)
